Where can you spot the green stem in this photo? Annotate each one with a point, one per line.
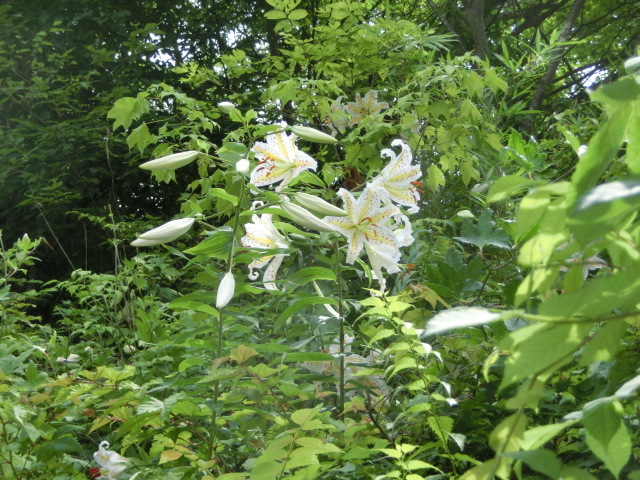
(216, 385)
(341, 334)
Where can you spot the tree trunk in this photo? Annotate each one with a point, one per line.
(474, 10)
(556, 56)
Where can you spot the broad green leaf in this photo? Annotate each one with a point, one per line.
(190, 362)
(460, 317)
(303, 415)
(605, 343)
(297, 14)
(266, 471)
(308, 274)
(150, 405)
(616, 94)
(232, 152)
(628, 388)
(218, 245)
(483, 233)
(140, 137)
(169, 455)
(575, 473)
(606, 434)
(536, 437)
(126, 110)
(632, 157)
(280, 442)
(482, 471)
(602, 148)
(543, 461)
(309, 357)
(508, 434)
(509, 186)
(224, 195)
(600, 296)
(435, 178)
(605, 204)
(540, 347)
(275, 15)
(241, 353)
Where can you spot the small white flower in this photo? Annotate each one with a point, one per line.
(242, 166)
(164, 233)
(171, 162)
(225, 290)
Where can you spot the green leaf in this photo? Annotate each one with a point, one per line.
(537, 348)
(297, 14)
(603, 346)
(241, 353)
(628, 388)
(460, 317)
(150, 405)
(602, 148)
(508, 434)
(542, 461)
(618, 93)
(224, 195)
(309, 357)
(483, 234)
(435, 178)
(126, 110)
(538, 436)
(275, 15)
(606, 434)
(190, 362)
(309, 274)
(509, 186)
(140, 137)
(218, 245)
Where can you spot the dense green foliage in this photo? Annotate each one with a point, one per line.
(504, 346)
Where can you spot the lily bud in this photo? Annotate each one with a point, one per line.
(226, 107)
(313, 135)
(305, 218)
(171, 162)
(73, 358)
(242, 166)
(319, 206)
(225, 290)
(164, 233)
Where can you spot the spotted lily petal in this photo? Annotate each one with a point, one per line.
(262, 234)
(280, 160)
(397, 181)
(366, 222)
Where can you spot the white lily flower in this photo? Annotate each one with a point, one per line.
(363, 107)
(262, 234)
(111, 463)
(366, 222)
(164, 233)
(225, 290)
(399, 181)
(171, 162)
(404, 234)
(280, 160)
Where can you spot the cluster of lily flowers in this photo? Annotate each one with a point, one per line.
(375, 220)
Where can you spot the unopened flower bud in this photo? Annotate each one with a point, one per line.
(242, 166)
(305, 218)
(313, 135)
(226, 107)
(73, 358)
(171, 162)
(319, 206)
(225, 290)
(164, 233)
